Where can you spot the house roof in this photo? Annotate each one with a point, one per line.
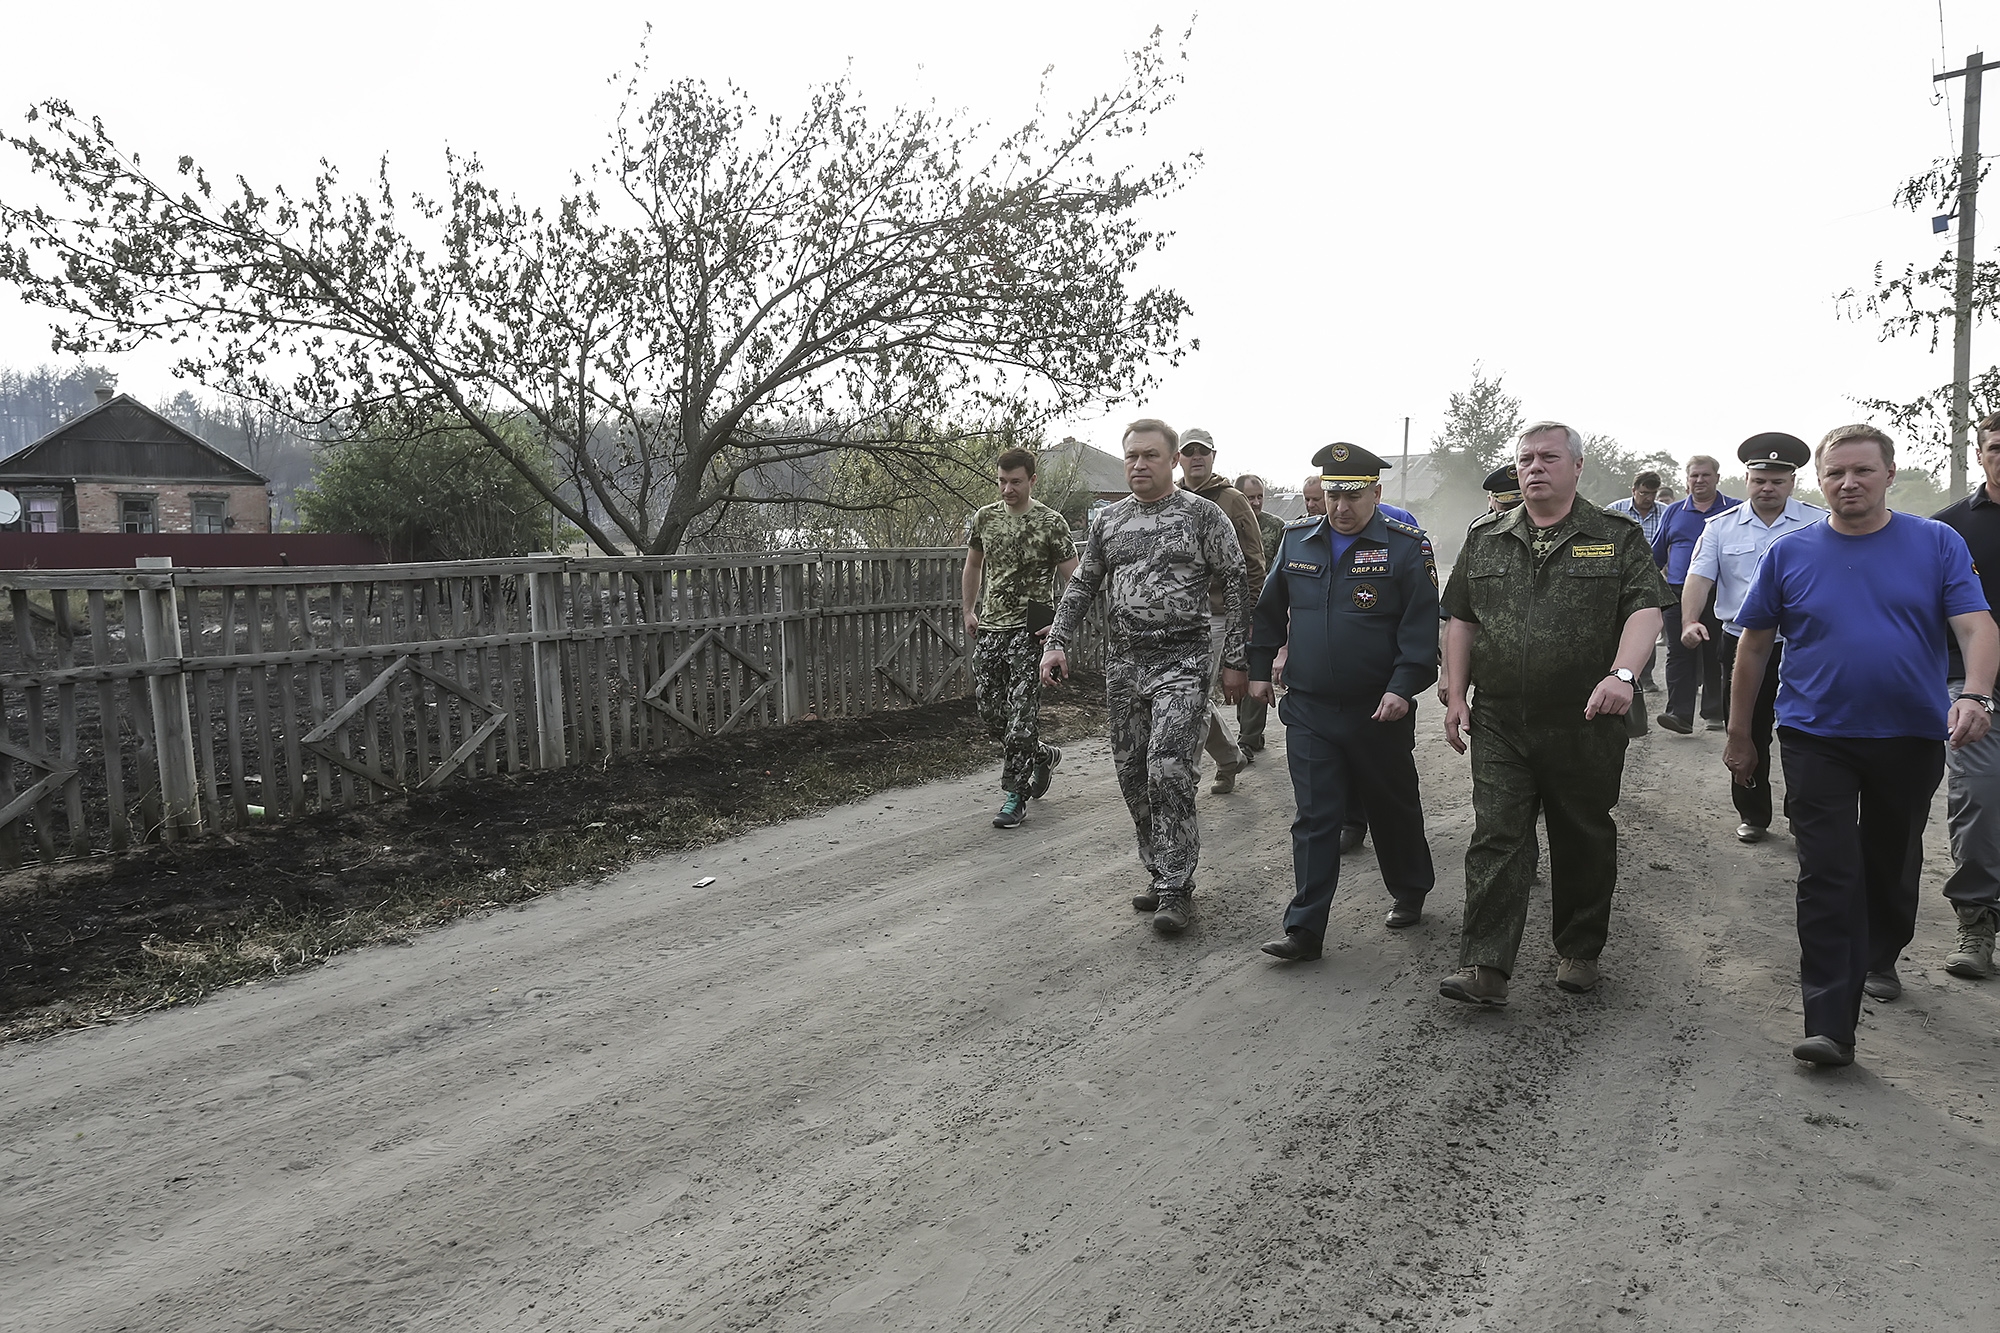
(124, 439)
(1101, 473)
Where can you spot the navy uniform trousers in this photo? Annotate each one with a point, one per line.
(1333, 748)
(1754, 802)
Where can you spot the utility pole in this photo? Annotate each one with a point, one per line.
(1403, 486)
(1968, 198)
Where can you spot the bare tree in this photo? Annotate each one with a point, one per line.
(721, 296)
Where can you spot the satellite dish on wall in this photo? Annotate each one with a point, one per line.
(10, 508)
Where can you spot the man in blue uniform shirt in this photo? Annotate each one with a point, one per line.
(1862, 602)
(1354, 595)
(1725, 559)
(1696, 670)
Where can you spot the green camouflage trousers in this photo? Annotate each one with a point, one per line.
(1006, 682)
(1159, 717)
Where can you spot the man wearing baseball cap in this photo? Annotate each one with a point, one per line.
(1724, 561)
(1198, 474)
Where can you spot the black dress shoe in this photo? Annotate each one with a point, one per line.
(1351, 836)
(1823, 1051)
(1296, 947)
(1677, 725)
(1402, 918)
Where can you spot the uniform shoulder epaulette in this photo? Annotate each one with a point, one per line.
(1303, 522)
(1484, 521)
(1398, 525)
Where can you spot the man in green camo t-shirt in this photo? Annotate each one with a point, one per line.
(1020, 547)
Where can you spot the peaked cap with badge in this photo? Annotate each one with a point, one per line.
(1348, 467)
(1774, 451)
(1504, 484)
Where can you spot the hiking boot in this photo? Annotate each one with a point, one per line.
(1973, 959)
(1577, 975)
(1749, 833)
(1225, 779)
(1171, 917)
(1882, 985)
(1044, 772)
(1476, 985)
(1679, 726)
(1145, 902)
(1351, 836)
(1823, 1051)
(1012, 811)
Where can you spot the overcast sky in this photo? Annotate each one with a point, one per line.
(1640, 221)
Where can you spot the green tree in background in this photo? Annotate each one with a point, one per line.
(1480, 424)
(719, 275)
(1608, 469)
(442, 496)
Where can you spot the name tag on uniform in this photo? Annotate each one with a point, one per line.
(1597, 552)
(1306, 567)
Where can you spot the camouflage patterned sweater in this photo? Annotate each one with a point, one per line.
(1154, 562)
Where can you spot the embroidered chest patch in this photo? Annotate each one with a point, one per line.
(1365, 596)
(1596, 551)
(1306, 567)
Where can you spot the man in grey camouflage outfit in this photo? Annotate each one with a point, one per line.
(1153, 555)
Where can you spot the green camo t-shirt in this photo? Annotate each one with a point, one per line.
(1022, 552)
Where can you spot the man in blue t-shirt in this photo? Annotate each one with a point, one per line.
(1691, 669)
(1865, 603)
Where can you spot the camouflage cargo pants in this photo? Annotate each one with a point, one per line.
(1159, 718)
(1006, 682)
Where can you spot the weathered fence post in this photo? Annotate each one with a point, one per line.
(792, 638)
(173, 729)
(545, 622)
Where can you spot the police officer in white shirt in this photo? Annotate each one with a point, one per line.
(1725, 558)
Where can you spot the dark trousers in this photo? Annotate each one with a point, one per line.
(1754, 802)
(1570, 772)
(1335, 749)
(1972, 805)
(1858, 807)
(1697, 669)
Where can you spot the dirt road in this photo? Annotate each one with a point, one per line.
(897, 1070)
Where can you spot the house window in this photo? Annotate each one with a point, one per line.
(42, 513)
(208, 513)
(138, 513)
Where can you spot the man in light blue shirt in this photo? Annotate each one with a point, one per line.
(1724, 561)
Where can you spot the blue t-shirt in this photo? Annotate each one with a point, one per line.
(1680, 529)
(1863, 619)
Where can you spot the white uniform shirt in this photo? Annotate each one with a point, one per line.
(1731, 544)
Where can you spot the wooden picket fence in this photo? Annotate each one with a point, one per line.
(159, 702)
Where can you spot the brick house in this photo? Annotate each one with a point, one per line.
(122, 467)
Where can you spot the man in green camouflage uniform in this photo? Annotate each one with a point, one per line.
(1152, 555)
(1020, 547)
(1251, 715)
(1554, 606)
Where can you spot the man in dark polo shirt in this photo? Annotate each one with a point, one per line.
(1973, 794)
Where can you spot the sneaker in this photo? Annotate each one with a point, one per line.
(1171, 917)
(1882, 985)
(1012, 811)
(1749, 833)
(1577, 975)
(1973, 959)
(1145, 902)
(1476, 985)
(1679, 726)
(1823, 1051)
(1044, 772)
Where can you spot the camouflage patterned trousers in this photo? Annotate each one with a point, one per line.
(1159, 717)
(1007, 683)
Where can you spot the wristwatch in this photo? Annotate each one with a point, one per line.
(1625, 674)
(1984, 701)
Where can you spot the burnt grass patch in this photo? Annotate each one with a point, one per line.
(107, 938)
